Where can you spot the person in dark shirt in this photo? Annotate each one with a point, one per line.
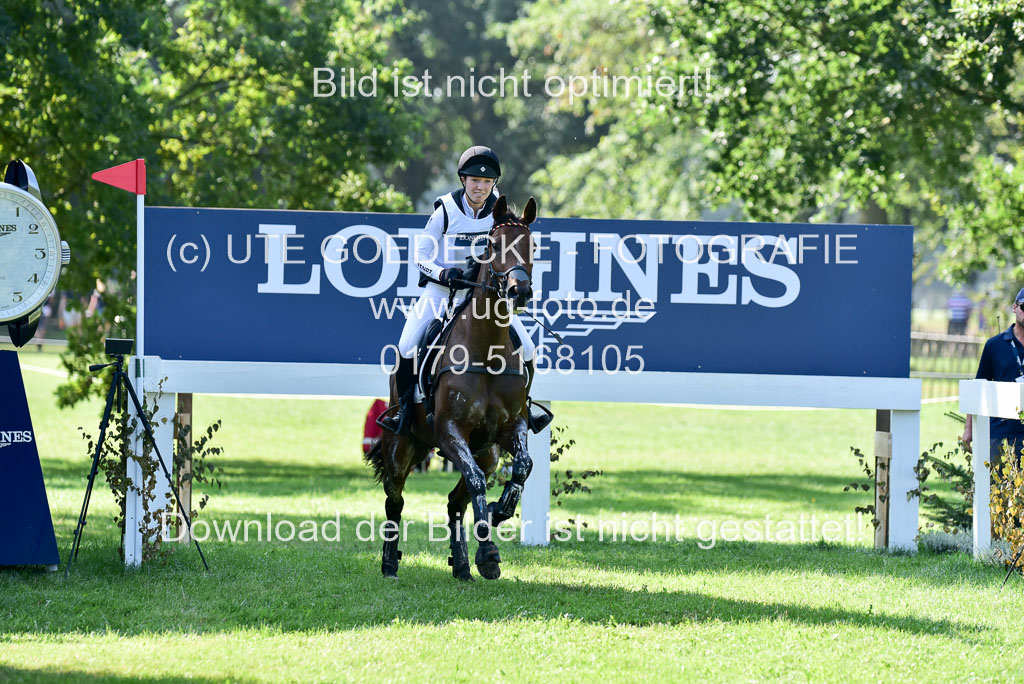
(1002, 360)
(959, 313)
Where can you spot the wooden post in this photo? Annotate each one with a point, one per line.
(184, 438)
(883, 457)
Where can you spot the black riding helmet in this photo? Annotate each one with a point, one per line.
(479, 161)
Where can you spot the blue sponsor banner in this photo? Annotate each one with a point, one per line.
(26, 528)
(329, 287)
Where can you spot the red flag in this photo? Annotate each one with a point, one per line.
(130, 176)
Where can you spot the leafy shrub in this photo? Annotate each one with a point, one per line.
(113, 463)
(952, 511)
(1007, 506)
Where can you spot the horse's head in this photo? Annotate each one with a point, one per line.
(511, 252)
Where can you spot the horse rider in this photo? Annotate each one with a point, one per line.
(459, 218)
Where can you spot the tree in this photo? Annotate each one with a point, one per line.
(816, 109)
(217, 97)
(451, 38)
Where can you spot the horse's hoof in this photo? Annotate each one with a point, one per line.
(487, 561)
(461, 571)
(389, 561)
(489, 570)
(393, 577)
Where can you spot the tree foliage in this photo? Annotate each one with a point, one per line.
(216, 97)
(456, 38)
(816, 109)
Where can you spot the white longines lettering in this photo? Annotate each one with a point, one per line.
(9, 437)
(276, 236)
(741, 270)
(734, 263)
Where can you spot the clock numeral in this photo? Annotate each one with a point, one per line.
(17, 296)
(40, 253)
(33, 229)
(34, 278)
(17, 210)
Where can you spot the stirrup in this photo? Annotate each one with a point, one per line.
(537, 421)
(398, 423)
(391, 423)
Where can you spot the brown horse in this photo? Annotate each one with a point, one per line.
(480, 405)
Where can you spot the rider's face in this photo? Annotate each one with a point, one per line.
(477, 190)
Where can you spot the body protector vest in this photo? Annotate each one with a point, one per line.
(459, 238)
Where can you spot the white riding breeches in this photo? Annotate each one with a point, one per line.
(431, 305)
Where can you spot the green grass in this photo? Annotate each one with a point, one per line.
(576, 611)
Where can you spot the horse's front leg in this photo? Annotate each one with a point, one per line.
(453, 444)
(399, 454)
(513, 440)
(458, 499)
(459, 559)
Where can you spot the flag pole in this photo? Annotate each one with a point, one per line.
(131, 176)
(140, 278)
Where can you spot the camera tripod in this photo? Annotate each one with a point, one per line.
(118, 349)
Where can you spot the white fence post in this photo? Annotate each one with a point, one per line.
(979, 460)
(164, 433)
(984, 399)
(536, 504)
(903, 521)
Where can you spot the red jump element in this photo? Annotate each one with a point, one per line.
(372, 431)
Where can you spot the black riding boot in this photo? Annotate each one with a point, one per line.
(538, 419)
(404, 382)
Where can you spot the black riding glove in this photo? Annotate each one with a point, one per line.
(449, 274)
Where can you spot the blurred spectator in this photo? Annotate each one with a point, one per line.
(69, 313)
(372, 431)
(49, 308)
(959, 308)
(67, 317)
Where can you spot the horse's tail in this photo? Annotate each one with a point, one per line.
(375, 457)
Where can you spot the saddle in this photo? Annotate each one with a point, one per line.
(434, 339)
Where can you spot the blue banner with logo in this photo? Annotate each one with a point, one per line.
(26, 529)
(696, 296)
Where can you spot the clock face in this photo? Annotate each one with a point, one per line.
(29, 253)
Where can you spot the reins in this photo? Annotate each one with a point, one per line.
(496, 275)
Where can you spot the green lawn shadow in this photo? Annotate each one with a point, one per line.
(338, 586)
(9, 673)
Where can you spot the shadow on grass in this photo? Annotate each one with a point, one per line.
(9, 673)
(666, 492)
(337, 586)
(686, 492)
(243, 476)
(745, 559)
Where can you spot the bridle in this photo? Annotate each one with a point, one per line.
(497, 281)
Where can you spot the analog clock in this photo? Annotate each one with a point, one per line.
(31, 252)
